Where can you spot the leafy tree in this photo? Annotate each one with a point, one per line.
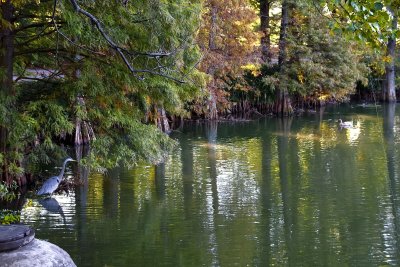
(105, 75)
(228, 40)
(314, 64)
(375, 22)
(323, 66)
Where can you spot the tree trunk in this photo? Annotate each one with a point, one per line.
(390, 86)
(283, 106)
(266, 31)
(84, 132)
(213, 27)
(162, 120)
(212, 104)
(212, 101)
(283, 32)
(6, 67)
(7, 47)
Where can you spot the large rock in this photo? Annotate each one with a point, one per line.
(36, 253)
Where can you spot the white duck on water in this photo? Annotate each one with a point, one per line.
(345, 124)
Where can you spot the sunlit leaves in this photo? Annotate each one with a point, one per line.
(369, 20)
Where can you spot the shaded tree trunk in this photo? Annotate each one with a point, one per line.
(162, 120)
(84, 132)
(283, 104)
(6, 67)
(213, 27)
(266, 30)
(283, 33)
(389, 93)
(7, 47)
(212, 102)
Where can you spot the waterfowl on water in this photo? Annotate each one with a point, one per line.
(345, 123)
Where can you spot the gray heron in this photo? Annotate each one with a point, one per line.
(52, 183)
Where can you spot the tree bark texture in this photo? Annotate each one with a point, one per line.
(283, 33)
(212, 99)
(266, 30)
(84, 133)
(213, 27)
(162, 120)
(390, 86)
(212, 104)
(283, 106)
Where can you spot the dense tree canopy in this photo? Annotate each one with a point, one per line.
(376, 23)
(74, 74)
(83, 75)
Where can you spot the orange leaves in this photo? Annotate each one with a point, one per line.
(387, 59)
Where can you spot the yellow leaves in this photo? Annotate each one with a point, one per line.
(323, 97)
(238, 23)
(254, 69)
(387, 59)
(300, 76)
(148, 100)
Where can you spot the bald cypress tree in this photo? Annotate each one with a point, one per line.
(80, 72)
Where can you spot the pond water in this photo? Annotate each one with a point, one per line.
(285, 192)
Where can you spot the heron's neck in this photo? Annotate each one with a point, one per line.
(62, 170)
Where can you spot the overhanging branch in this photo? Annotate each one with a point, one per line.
(121, 50)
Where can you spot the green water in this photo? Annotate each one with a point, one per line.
(271, 192)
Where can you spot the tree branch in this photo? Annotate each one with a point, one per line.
(121, 50)
(37, 36)
(97, 23)
(33, 25)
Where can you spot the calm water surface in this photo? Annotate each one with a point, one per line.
(271, 192)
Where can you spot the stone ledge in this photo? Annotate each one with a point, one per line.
(36, 253)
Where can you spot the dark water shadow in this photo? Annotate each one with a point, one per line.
(52, 206)
(389, 115)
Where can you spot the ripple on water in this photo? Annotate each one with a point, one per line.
(254, 194)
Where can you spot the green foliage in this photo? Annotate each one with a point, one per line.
(324, 65)
(92, 84)
(321, 66)
(7, 191)
(127, 147)
(9, 216)
(369, 21)
(263, 82)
